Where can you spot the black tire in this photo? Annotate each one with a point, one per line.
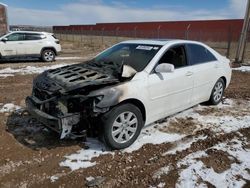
(217, 92)
(108, 125)
(48, 55)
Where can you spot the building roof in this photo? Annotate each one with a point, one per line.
(3, 4)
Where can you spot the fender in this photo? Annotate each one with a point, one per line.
(48, 47)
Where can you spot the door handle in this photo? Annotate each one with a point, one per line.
(20, 43)
(216, 66)
(189, 73)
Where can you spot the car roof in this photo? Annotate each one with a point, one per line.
(32, 32)
(161, 42)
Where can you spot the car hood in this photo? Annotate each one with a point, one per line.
(72, 77)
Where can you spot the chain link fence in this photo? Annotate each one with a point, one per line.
(224, 42)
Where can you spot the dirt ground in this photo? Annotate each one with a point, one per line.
(30, 154)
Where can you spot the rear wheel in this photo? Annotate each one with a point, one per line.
(48, 55)
(121, 126)
(217, 92)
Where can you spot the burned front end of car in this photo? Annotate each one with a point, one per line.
(62, 101)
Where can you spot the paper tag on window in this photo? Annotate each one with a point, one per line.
(144, 47)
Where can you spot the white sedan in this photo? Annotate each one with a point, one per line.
(129, 85)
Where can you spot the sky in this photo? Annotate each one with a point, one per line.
(69, 12)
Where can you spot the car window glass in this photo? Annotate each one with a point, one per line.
(32, 36)
(15, 37)
(175, 56)
(135, 55)
(199, 54)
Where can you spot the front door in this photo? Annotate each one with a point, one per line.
(171, 92)
(13, 45)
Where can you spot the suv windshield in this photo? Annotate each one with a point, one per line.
(135, 55)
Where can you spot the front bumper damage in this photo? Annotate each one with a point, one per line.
(62, 124)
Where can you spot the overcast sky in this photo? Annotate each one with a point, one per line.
(65, 12)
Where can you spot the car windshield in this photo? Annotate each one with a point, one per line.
(135, 55)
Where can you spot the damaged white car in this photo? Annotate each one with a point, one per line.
(129, 85)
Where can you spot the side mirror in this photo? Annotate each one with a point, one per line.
(164, 68)
(4, 39)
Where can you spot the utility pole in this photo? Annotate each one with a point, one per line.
(243, 37)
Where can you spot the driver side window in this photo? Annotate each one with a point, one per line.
(175, 56)
(15, 37)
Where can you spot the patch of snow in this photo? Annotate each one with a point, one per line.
(242, 69)
(53, 178)
(161, 185)
(162, 171)
(151, 135)
(9, 107)
(2, 76)
(90, 178)
(225, 104)
(233, 177)
(68, 58)
(216, 123)
(182, 145)
(82, 159)
(28, 70)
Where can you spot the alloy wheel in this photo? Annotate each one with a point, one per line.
(124, 127)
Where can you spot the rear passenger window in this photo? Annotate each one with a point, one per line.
(34, 36)
(199, 54)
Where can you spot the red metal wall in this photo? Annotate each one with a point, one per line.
(211, 28)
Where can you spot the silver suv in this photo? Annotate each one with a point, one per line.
(29, 44)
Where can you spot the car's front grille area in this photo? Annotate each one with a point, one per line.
(42, 95)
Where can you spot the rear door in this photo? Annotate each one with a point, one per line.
(204, 66)
(33, 43)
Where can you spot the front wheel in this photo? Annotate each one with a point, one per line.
(217, 92)
(121, 126)
(48, 55)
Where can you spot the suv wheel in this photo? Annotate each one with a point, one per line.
(217, 92)
(48, 55)
(122, 126)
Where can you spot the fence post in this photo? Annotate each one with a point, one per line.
(229, 42)
(187, 32)
(102, 34)
(135, 31)
(158, 31)
(117, 34)
(244, 48)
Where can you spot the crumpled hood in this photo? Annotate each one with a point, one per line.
(72, 77)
